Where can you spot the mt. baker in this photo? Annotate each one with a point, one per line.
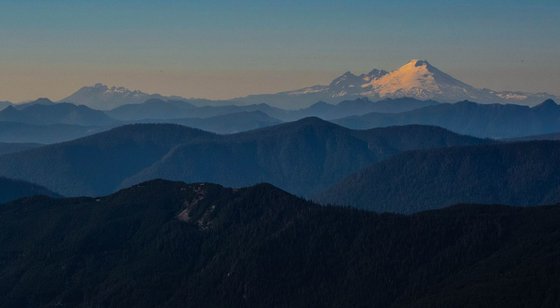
(416, 79)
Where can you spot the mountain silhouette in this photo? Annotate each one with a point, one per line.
(303, 157)
(56, 113)
(481, 120)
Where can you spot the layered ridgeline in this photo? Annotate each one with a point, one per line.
(12, 189)
(170, 244)
(43, 121)
(303, 157)
(127, 105)
(490, 121)
(55, 113)
(97, 164)
(170, 110)
(521, 174)
(13, 132)
(223, 124)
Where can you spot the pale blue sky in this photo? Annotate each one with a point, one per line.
(222, 49)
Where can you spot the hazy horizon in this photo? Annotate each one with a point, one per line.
(223, 50)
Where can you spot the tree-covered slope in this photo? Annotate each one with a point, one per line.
(170, 244)
(526, 173)
(303, 157)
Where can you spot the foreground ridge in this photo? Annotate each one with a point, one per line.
(164, 243)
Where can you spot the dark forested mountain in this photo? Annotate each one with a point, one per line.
(303, 157)
(224, 124)
(164, 244)
(98, 164)
(6, 148)
(59, 113)
(516, 173)
(12, 132)
(12, 189)
(482, 120)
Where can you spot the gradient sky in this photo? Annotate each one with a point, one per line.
(222, 49)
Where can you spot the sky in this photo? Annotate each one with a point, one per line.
(224, 49)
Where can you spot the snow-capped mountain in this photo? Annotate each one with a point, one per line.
(346, 85)
(416, 79)
(104, 97)
(421, 80)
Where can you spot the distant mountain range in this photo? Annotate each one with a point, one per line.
(481, 120)
(14, 132)
(357, 106)
(40, 101)
(223, 124)
(166, 244)
(65, 121)
(416, 79)
(103, 97)
(44, 121)
(59, 113)
(170, 110)
(303, 157)
(520, 174)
